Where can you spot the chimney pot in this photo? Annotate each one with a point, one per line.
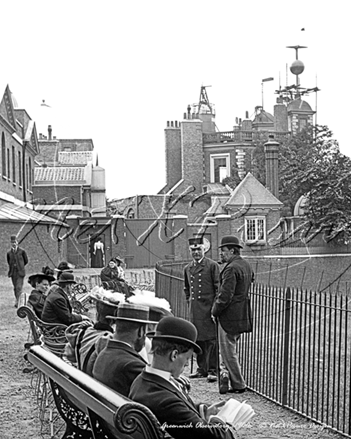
(49, 132)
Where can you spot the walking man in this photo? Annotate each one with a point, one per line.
(17, 260)
(233, 311)
(201, 278)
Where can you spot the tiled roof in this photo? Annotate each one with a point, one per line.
(57, 174)
(75, 157)
(10, 211)
(250, 192)
(217, 188)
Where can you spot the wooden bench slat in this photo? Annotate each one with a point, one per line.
(121, 415)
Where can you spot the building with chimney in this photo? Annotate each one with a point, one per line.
(19, 148)
(67, 178)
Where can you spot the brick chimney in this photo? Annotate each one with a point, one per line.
(271, 149)
(50, 132)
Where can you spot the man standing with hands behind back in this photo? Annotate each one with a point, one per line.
(232, 309)
(201, 278)
(17, 260)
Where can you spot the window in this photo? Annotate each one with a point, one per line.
(19, 169)
(3, 155)
(219, 167)
(30, 173)
(255, 229)
(302, 123)
(8, 163)
(13, 165)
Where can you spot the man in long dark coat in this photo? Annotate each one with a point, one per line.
(17, 260)
(201, 278)
(232, 309)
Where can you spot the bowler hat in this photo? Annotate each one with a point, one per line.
(178, 330)
(66, 278)
(157, 313)
(133, 312)
(63, 267)
(230, 240)
(32, 279)
(195, 242)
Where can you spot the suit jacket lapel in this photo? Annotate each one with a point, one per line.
(165, 384)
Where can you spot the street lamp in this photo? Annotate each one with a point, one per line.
(263, 81)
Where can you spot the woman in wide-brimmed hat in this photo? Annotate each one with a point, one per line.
(40, 283)
(112, 277)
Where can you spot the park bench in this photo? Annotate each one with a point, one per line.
(50, 335)
(89, 408)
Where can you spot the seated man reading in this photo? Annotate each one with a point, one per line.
(173, 344)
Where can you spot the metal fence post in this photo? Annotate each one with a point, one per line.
(286, 346)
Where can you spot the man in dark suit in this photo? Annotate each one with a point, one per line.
(57, 308)
(173, 344)
(201, 278)
(17, 260)
(119, 363)
(233, 311)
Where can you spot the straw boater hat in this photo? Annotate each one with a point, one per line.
(176, 330)
(133, 312)
(230, 240)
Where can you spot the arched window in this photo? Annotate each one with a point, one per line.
(3, 155)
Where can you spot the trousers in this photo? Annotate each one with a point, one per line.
(17, 282)
(207, 360)
(228, 347)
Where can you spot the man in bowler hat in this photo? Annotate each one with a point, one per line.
(173, 344)
(201, 278)
(17, 260)
(232, 310)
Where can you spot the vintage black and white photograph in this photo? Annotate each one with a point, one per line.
(175, 219)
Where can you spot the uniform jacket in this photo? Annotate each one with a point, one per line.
(37, 300)
(82, 338)
(117, 366)
(178, 414)
(232, 305)
(200, 286)
(57, 308)
(17, 259)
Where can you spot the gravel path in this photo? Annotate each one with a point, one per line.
(18, 406)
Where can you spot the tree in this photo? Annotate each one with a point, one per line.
(312, 165)
(233, 180)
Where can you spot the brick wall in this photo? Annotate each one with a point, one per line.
(173, 156)
(8, 182)
(53, 193)
(192, 154)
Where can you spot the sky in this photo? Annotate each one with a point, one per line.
(117, 71)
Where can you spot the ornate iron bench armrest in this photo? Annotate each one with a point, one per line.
(89, 408)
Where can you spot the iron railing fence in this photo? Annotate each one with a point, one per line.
(299, 353)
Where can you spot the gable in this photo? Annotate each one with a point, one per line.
(7, 110)
(250, 192)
